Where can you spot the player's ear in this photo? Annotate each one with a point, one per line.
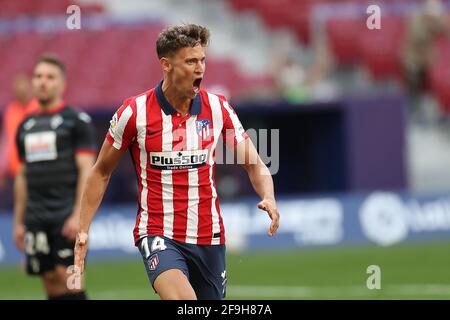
(165, 63)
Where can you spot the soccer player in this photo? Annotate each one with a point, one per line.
(13, 115)
(57, 148)
(171, 132)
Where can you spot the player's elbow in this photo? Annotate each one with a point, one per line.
(101, 171)
(251, 168)
(256, 169)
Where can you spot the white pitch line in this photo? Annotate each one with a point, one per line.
(292, 292)
(304, 291)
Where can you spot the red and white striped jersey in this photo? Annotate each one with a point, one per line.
(174, 157)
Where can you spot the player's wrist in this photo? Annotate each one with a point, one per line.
(18, 225)
(269, 199)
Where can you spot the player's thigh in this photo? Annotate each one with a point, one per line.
(38, 250)
(165, 265)
(207, 270)
(173, 284)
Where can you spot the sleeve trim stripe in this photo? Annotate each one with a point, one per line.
(235, 121)
(89, 151)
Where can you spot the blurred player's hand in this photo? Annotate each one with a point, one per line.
(19, 236)
(271, 208)
(70, 227)
(81, 246)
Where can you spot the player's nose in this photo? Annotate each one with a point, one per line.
(199, 68)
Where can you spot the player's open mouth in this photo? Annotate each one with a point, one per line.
(196, 84)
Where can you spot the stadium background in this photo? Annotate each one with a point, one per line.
(363, 138)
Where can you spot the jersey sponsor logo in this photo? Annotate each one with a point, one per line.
(203, 128)
(40, 146)
(178, 160)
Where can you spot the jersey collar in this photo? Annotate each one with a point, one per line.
(55, 109)
(196, 105)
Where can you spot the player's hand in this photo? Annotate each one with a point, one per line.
(81, 246)
(70, 227)
(19, 236)
(271, 208)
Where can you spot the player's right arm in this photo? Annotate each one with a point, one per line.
(94, 190)
(20, 204)
(20, 194)
(118, 139)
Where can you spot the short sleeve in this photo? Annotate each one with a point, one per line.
(232, 132)
(20, 143)
(85, 136)
(122, 129)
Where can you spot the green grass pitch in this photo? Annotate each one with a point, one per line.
(413, 271)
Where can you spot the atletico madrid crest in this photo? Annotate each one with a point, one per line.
(153, 262)
(203, 128)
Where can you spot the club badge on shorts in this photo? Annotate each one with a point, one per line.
(153, 262)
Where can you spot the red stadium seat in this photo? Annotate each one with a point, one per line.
(381, 50)
(344, 36)
(439, 74)
(103, 66)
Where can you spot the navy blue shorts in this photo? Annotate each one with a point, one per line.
(203, 265)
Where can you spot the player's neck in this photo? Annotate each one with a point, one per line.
(176, 100)
(47, 106)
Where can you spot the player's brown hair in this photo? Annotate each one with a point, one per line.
(51, 59)
(173, 38)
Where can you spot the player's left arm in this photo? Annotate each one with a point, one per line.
(261, 180)
(85, 152)
(235, 137)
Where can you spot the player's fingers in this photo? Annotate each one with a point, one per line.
(80, 265)
(274, 215)
(20, 244)
(79, 259)
(262, 206)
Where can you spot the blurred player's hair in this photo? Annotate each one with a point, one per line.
(52, 59)
(173, 38)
